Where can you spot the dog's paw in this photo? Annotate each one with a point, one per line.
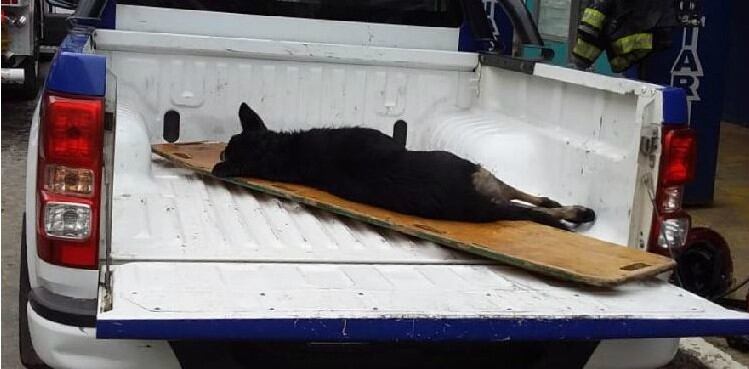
(582, 214)
(549, 203)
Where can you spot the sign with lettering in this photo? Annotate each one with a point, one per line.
(686, 71)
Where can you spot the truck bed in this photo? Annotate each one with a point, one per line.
(195, 258)
(582, 140)
(531, 246)
(201, 259)
(192, 258)
(187, 217)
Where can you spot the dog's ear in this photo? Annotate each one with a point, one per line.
(250, 120)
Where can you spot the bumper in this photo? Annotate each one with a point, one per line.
(12, 75)
(63, 336)
(63, 346)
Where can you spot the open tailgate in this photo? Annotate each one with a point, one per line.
(358, 302)
(193, 258)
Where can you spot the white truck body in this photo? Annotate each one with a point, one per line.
(187, 252)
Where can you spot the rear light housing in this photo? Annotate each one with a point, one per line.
(69, 177)
(9, 2)
(678, 156)
(671, 224)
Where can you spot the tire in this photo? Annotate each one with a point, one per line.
(29, 358)
(45, 57)
(31, 63)
(30, 70)
(43, 30)
(740, 343)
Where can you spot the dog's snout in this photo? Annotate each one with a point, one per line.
(222, 156)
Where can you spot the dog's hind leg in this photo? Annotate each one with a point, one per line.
(549, 216)
(518, 212)
(499, 192)
(574, 214)
(546, 211)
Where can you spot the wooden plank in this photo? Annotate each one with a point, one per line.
(531, 246)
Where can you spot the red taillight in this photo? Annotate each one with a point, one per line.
(670, 223)
(69, 179)
(679, 154)
(73, 130)
(9, 2)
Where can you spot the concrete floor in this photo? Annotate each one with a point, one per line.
(15, 130)
(729, 215)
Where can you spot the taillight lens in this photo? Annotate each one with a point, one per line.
(73, 130)
(68, 180)
(9, 2)
(669, 232)
(67, 220)
(670, 223)
(670, 199)
(679, 154)
(673, 232)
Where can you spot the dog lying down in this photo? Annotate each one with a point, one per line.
(367, 166)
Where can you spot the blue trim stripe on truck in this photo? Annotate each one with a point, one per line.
(73, 71)
(674, 105)
(416, 330)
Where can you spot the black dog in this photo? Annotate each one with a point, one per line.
(367, 166)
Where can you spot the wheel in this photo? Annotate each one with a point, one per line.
(29, 358)
(30, 70)
(740, 343)
(31, 63)
(44, 19)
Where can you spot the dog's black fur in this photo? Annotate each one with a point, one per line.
(367, 166)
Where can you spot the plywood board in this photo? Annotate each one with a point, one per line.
(531, 246)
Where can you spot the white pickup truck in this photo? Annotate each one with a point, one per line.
(128, 256)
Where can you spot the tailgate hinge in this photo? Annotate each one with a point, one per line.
(649, 141)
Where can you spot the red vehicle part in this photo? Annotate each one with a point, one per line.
(671, 223)
(69, 175)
